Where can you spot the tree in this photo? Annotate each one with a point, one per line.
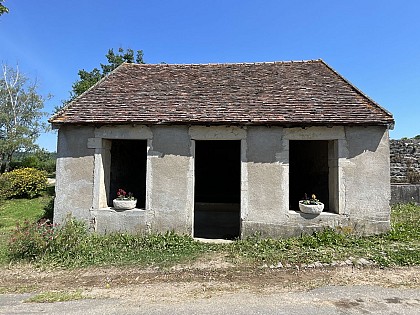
(20, 114)
(88, 79)
(3, 9)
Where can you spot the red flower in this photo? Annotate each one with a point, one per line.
(121, 193)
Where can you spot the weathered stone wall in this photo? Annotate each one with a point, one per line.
(170, 181)
(359, 157)
(405, 161)
(367, 177)
(74, 182)
(405, 193)
(362, 201)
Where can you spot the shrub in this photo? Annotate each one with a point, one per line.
(44, 164)
(49, 210)
(5, 187)
(23, 182)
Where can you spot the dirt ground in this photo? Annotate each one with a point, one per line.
(206, 278)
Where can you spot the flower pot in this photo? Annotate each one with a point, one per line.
(124, 204)
(313, 209)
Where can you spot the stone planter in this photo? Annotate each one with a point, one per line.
(124, 204)
(313, 209)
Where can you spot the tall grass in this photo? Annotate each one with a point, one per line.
(70, 245)
(13, 211)
(400, 246)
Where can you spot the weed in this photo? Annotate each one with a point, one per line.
(55, 296)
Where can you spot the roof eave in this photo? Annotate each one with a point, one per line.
(388, 124)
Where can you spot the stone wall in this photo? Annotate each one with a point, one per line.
(358, 159)
(405, 193)
(405, 161)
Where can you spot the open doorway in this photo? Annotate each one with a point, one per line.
(128, 169)
(217, 189)
(312, 171)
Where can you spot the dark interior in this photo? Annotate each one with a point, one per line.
(308, 171)
(217, 189)
(128, 169)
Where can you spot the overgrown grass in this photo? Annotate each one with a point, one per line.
(71, 245)
(17, 210)
(400, 246)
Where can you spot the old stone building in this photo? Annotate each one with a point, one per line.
(224, 150)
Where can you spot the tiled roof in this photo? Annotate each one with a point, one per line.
(279, 93)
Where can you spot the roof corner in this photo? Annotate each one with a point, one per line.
(390, 124)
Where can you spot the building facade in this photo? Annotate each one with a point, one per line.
(224, 151)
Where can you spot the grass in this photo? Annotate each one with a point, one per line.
(18, 210)
(55, 296)
(72, 246)
(400, 246)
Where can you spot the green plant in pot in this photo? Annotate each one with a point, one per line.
(311, 205)
(124, 200)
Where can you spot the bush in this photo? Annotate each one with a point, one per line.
(23, 182)
(49, 210)
(5, 187)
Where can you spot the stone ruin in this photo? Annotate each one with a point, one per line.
(405, 161)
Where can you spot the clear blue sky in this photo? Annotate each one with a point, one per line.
(375, 44)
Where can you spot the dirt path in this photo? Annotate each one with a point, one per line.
(215, 287)
(198, 281)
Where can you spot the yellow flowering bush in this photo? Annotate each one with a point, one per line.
(23, 182)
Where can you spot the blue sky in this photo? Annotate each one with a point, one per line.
(374, 44)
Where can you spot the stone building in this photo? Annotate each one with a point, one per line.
(224, 150)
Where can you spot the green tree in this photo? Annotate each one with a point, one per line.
(88, 78)
(20, 114)
(3, 9)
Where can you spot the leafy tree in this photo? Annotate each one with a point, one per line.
(3, 9)
(40, 159)
(88, 78)
(20, 114)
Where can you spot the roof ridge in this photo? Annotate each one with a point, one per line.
(226, 63)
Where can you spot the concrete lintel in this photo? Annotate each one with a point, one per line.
(94, 143)
(217, 133)
(314, 133)
(124, 132)
(98, 143)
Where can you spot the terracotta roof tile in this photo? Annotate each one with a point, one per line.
(279, 93)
